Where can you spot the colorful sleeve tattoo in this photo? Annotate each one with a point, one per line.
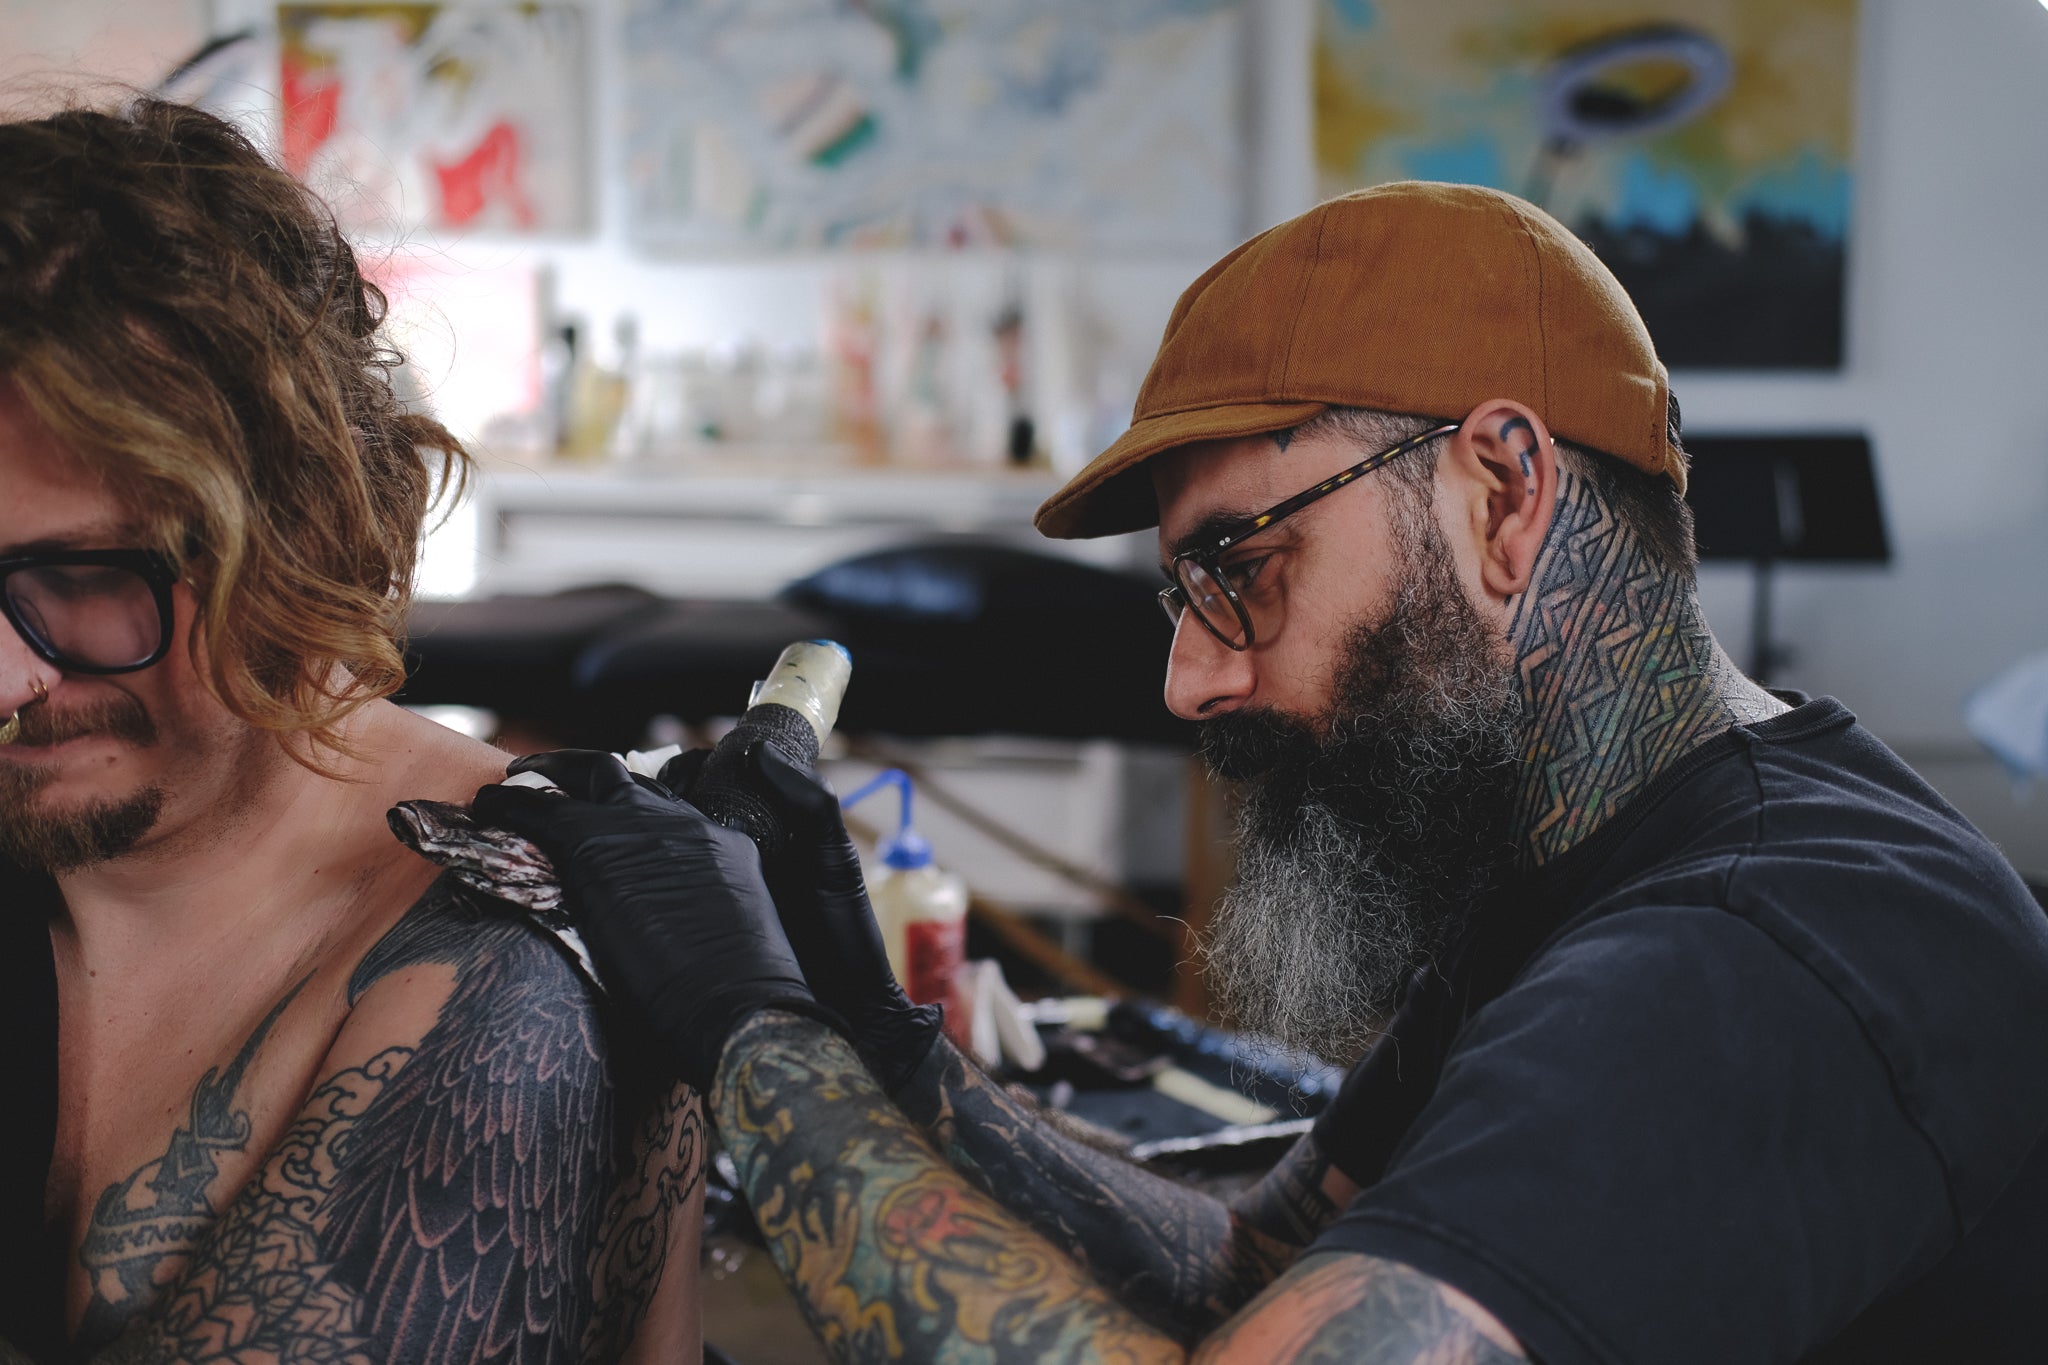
(1182, 1259)
(894, 1255)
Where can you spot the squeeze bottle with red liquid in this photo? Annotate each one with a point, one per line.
(922, 912)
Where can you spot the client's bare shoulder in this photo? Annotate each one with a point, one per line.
(503, 1149)
(476, 1174)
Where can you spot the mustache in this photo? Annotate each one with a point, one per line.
(121, 717)
(1244, 744)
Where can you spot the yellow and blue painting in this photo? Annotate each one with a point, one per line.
(1702, 147)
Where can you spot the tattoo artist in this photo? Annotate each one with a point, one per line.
(1686, 1024)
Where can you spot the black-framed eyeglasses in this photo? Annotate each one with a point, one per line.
(90, 611)
(1217, 590)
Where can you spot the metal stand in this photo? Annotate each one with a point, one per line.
(1763, 655)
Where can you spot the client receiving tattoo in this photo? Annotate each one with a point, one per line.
(276, 1091)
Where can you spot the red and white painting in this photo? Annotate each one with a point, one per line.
(467, 117)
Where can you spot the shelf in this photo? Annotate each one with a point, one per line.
(783, 491)
(689, 529)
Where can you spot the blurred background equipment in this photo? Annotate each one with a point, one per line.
(1772, 500)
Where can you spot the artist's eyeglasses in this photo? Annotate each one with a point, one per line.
(90, 611)
(1224, 594)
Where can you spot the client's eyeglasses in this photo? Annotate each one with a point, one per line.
(90, 611)
(1218, 591)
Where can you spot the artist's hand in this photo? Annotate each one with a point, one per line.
(824, 907)
(673, 906)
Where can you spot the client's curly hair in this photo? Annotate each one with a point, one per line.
(189, 320)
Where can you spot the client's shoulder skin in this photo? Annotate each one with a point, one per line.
(311, 1102)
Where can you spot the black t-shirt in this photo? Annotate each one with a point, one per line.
(1757, 1073)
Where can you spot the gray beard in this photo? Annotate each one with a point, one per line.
(1366, 843)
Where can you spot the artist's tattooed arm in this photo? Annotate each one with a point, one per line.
(463, 1189)
(1343, 1309)
(1179, 1257)
(894, 1255)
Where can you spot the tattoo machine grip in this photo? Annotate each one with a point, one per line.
(794, 707)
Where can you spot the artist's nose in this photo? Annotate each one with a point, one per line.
(1205, 678)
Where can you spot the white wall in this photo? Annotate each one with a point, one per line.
(54, 40)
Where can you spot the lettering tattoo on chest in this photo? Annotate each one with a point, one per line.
(162, 1208)
(467, 1197)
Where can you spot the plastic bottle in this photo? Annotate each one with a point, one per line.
(922, 912)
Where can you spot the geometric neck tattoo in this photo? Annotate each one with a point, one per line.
(1620, 676)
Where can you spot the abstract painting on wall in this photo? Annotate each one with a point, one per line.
(464, 116)
(1702, 147)
(935, 123)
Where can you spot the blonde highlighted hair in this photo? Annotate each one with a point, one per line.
(189, 320)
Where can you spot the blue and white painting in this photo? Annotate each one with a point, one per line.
(806, 124)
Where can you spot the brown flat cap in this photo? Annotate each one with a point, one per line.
(1413, 297)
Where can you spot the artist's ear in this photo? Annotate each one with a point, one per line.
(1504, 466)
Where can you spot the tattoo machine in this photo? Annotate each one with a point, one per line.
(794, 707)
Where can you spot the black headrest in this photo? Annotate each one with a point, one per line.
(974, 584)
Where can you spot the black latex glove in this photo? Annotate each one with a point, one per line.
(672, 905)
(816, 882)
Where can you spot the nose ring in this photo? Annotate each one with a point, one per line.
(10, 729)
